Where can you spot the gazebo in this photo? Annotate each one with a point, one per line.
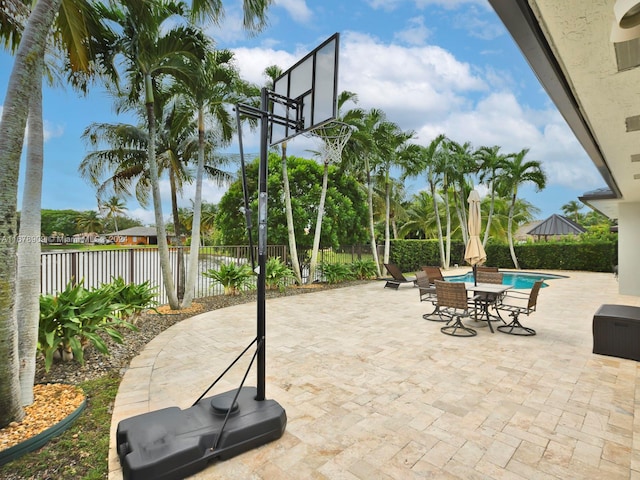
(556, 226)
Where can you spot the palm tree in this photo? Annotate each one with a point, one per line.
(89, 221)
(426, 163)
(25, 79)
(212, 87)
(148, 49)
(111, 208)
(273, 72)
(572, 210)
(392, 149)
(334, 138)
(359, 154)
(516, 172)
(490, 164)
(421, 221)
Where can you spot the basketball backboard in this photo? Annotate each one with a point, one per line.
(305, 96)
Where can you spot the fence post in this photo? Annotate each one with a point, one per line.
(132, 265)
(74, 268)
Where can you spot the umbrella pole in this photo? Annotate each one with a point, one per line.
(475, 279)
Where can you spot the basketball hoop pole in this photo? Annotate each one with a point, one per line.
(262, 243)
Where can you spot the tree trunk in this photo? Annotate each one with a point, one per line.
(447, 258)
(387, 209)
(192, 268)
(316, 237)
(180, 267)
(12, 128)
(27, 305)
(295, 263)
(372, 228)
(510, 233)
(489, 217)
(438, 222)
(163, 247)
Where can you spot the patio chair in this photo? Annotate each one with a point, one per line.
(517, 303)
(434, 273)
(488, 300)
(452, 299)
(427, 293)
(397, 275)
(484, 268)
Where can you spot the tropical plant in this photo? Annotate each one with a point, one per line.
(363, 269)
(516, 172)
(278, 274)
(75, 318)
(132, 298)
(336, 272)
(234, 278)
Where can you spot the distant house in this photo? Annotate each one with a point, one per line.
(135, 236)
(555, 226)
(139, 236)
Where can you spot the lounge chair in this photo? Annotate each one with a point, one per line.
(517, 303)
(434, 273)
(452, 299)
(397, 275)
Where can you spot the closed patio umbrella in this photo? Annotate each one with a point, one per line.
(474, 253)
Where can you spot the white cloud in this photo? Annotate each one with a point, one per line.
(428, 90)
(412, 85)
(297, 9)
(416, 32)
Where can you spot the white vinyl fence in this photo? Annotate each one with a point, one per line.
(92, 268)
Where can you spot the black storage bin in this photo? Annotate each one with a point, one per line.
(616, 331)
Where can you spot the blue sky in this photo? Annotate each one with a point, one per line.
(434, 66)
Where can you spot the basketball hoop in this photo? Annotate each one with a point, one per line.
(334, 136)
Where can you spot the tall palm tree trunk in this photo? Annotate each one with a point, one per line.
(447, 258)
(316, 237)
(163, 247)
(180, 267)
(372, 228)
(438, 222)
(27, 305)
(510, 232)
(489, 217)
(293, 248)
(192, 268)
(12, 128)
(387, 208)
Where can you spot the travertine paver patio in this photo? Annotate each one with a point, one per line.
(373, 391)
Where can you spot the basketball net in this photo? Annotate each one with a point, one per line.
(334, 136)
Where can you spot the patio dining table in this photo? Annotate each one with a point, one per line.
(485, 294)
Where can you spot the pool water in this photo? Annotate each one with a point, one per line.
(523, 280)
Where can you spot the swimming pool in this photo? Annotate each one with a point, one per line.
(524, 280)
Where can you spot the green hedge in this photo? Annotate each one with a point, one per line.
(411, 255)
(597, 256)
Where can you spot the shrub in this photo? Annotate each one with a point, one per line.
(234, 278)
(363, 269)
(133, 298)
(75, 318)
(278, 275)
(336, 272)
